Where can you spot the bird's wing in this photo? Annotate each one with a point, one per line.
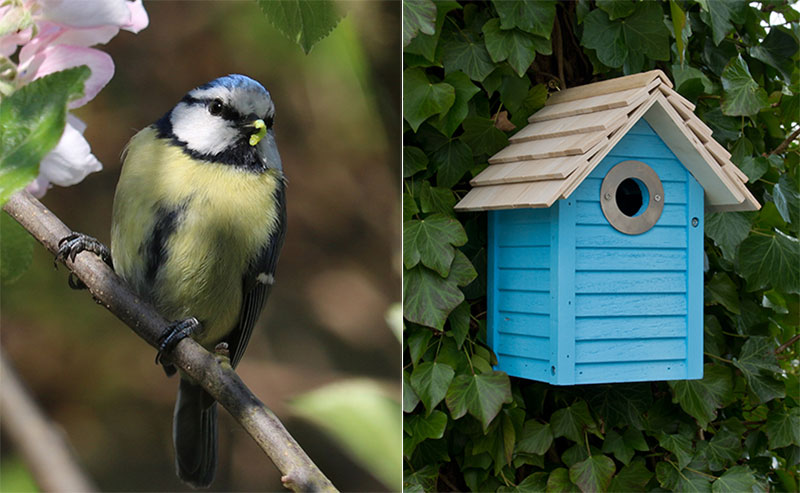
(258, 282)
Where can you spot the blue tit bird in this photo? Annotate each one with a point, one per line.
(198, 224)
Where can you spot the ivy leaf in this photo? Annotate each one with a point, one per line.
(482, 136)
(428, 299)
(735, 480)
(673, 479)
(422, 480)
(701, 398)
(452, 160)
(418, 16)
(617, 8)
(410, 398)
(593, 474)
(719, 16)
(418, 343)
(534, 483)
(721, 290)
(754, 167)
(430, 381)
(468, 56)
(783, 428)
(423, 99)
(559, 482)
(678, 25)
(742, 96)
(481, 395)
(679, 445)
(421, 428)
(532, 16)
(303, 21)
(633, 477)
(32, 120)
(722, 450)
(465, 89)
(759, 365)
(16, 250)
(621, 404)
(614, 444)
(414, 161)
(570, 421)
(536, 438)
(728, 230)
(459, 323)
(432, 241)
(771, 260)
(424, 44)
(787, 199)
(518, 47)
(643, 33)
(436, 199)
(777, 50)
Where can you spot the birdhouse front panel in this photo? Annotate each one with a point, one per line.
(576, 300)
(595, 234)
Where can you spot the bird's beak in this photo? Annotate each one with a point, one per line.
(260, 131)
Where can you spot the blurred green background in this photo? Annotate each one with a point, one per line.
(338, 131)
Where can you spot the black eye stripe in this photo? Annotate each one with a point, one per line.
(227, 113)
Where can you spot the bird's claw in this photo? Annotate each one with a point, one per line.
(74, 243)
(173, 334)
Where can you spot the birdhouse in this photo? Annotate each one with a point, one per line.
(595, 234)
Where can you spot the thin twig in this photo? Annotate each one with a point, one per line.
(785, 144)
(42, 445)
(788, 343)
(218, 379)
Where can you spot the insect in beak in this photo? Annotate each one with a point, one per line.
(261, 131)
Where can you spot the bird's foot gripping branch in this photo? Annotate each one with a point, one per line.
(220, 381)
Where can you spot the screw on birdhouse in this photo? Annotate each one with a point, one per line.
(552, 370)
(658, 198)
(695, 222)
(607, 196)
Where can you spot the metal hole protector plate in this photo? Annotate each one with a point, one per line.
(632, 225)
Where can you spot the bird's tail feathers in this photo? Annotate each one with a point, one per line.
(194, 431)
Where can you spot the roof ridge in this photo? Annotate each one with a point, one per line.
(608, 86)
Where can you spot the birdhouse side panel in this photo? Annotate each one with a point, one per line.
(631, 290)
(519, 302)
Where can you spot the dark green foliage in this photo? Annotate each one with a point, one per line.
(470, 84)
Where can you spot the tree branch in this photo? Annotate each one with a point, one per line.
(219, 380)
(788, 343)
(785, 144)
(48, 457)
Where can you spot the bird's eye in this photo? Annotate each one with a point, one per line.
(215, 107)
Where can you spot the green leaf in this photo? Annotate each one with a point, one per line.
(593, 474)
(482, 136)
(432, 241)
(777, 50)
(754, 167)
(452, 160)
(32, 120)
(436, 199)
(425, 45)
(787, 199)
(721, 290)
(428, 299)
(418, 16)
(414, 161)
(532, 16)
(783, 428)
(742, 96)
(534, 483)
(723, 450)
(481, 395)
(430, 381)
(720, 14)
(518, 47)
(679, 445)
(617, 8)
(678, 25)
(420, 428)
(422, 480)
(570, 421)
(771, 260)
(305, 22)
(633, 477)
(619, 404)
(759, 366)
(16, 249)
(728, 230)
(423, 99)
(418, 343)
(410, 398)
(537, 438)
(360, 417)
(673, 479)
(559, 482)
(468, 56)
(701, 398)
(735, 480)
(459, 323)
(465, 89)
(615, 41)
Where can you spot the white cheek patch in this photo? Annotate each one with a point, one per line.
(201, 131)
(265, 278)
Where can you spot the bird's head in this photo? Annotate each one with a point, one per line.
(228, 120)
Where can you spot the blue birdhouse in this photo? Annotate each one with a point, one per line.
(595, 234)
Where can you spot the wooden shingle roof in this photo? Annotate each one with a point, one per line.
(564, 141)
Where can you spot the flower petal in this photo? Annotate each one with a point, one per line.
(38, 187)
(139, 19)
(59, 57)
(86, 13)
(72, 158)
